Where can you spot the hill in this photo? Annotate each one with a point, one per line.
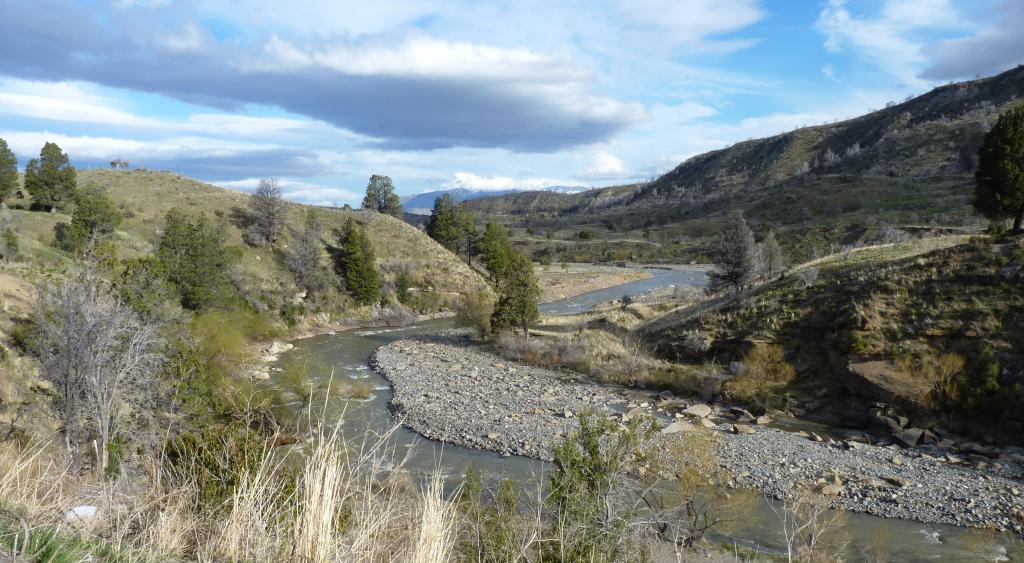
(909, 164)
(421, 204)
(144, 197)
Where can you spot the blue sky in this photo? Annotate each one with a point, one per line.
(451, 93)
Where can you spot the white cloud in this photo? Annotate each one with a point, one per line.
(996, 47)
(606, 165)
(470, 181)
(830, 72)
(888, 40)
(693, 23)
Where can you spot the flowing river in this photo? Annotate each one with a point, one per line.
(346, 356)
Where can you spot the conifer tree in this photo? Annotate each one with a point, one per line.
(518, 295)
(737, 254)
(496, 251)
(358, 264)
(94, 216)
(442, 225)
(381, 197)
(50, 179)
(196, 260)
(8, 172)
(999, 191)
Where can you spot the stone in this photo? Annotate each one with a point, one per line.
(677, 427)
(909, 438)
(764, 419)
(742, 429)
(698, 410)
(81, 513)
(568, 414)
(492, 436)
(706, 423)
(742, 415)
(928, 437)
(634, 414)
(831, 490)
(666, 395)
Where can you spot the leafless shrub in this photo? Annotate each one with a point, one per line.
(811, 530)
(695, 345)
(267, 208)
(98, 354)
(808, 276)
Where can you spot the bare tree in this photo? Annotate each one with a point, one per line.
(97, 353)
(267, 207)
(773, 260)
(304, 255)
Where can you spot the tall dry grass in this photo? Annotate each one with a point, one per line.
(329, 500)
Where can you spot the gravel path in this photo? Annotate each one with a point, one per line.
(449, 390)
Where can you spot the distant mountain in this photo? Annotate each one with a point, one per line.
(421, 204)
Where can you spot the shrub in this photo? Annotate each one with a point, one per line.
(766, 373)
(8, 246)
(216, 458)
(95, 215)
(475, 310)
(585, 235)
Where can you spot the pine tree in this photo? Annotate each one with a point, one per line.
(50, 179)
(358, 264)
(518, 295)
(496, 251)
(772, 258)
(737, 254)
(197, 261)
(8, 172)
(465, 226)
(442, 225)
(381, 196)
(999, 190)
(94, 216)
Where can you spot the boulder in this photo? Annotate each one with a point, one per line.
(698, 410)
(706, 423)
(634, 414)
(831, 490)
(764, 419)
(742, 415)
(666, 395)
(742, 429)
(677, 427)
(909, 438)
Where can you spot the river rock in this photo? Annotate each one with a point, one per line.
(763, 419)
(909, 438)
(742, 429)
(699, 410)
(678, 426)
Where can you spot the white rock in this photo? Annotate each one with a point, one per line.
(80, 513)
(698, 410)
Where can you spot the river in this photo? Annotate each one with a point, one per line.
(346, 355)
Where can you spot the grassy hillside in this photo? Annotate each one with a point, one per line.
(909, 164)
(931, 326)
(144, 197)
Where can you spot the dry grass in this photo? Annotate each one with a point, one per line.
(336, 503)
(561, 281)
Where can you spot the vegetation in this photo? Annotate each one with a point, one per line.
(304, 255)
(267, 208)
(476, 310)
(94, 216)
(8, 172)
(453, 226)
(737, 255)
(1000, 176)
(357, 264)
(51, 179)
(381, 197)
(764, 377)
(197, 260)
(518, 293)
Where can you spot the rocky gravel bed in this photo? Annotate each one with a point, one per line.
(449, 390)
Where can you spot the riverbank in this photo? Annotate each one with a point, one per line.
(562, 281)
(447, 389)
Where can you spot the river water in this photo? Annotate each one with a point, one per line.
(345, 355)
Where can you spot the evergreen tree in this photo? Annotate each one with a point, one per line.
(737, 254)
(381, 196)
(50, 179)
(197, 261)
(94, 216)
(518, 294)
(442, 225)
(358, 264)
(496, 251)
(772, 258)
(999, 191)
(8, 172)
(8, 245)
(465, 226)
(303, 255)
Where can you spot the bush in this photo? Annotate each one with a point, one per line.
(475, 310)
(215, 458)
(585, 235)
(766, 373)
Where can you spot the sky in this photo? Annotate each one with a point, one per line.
(438, 94)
